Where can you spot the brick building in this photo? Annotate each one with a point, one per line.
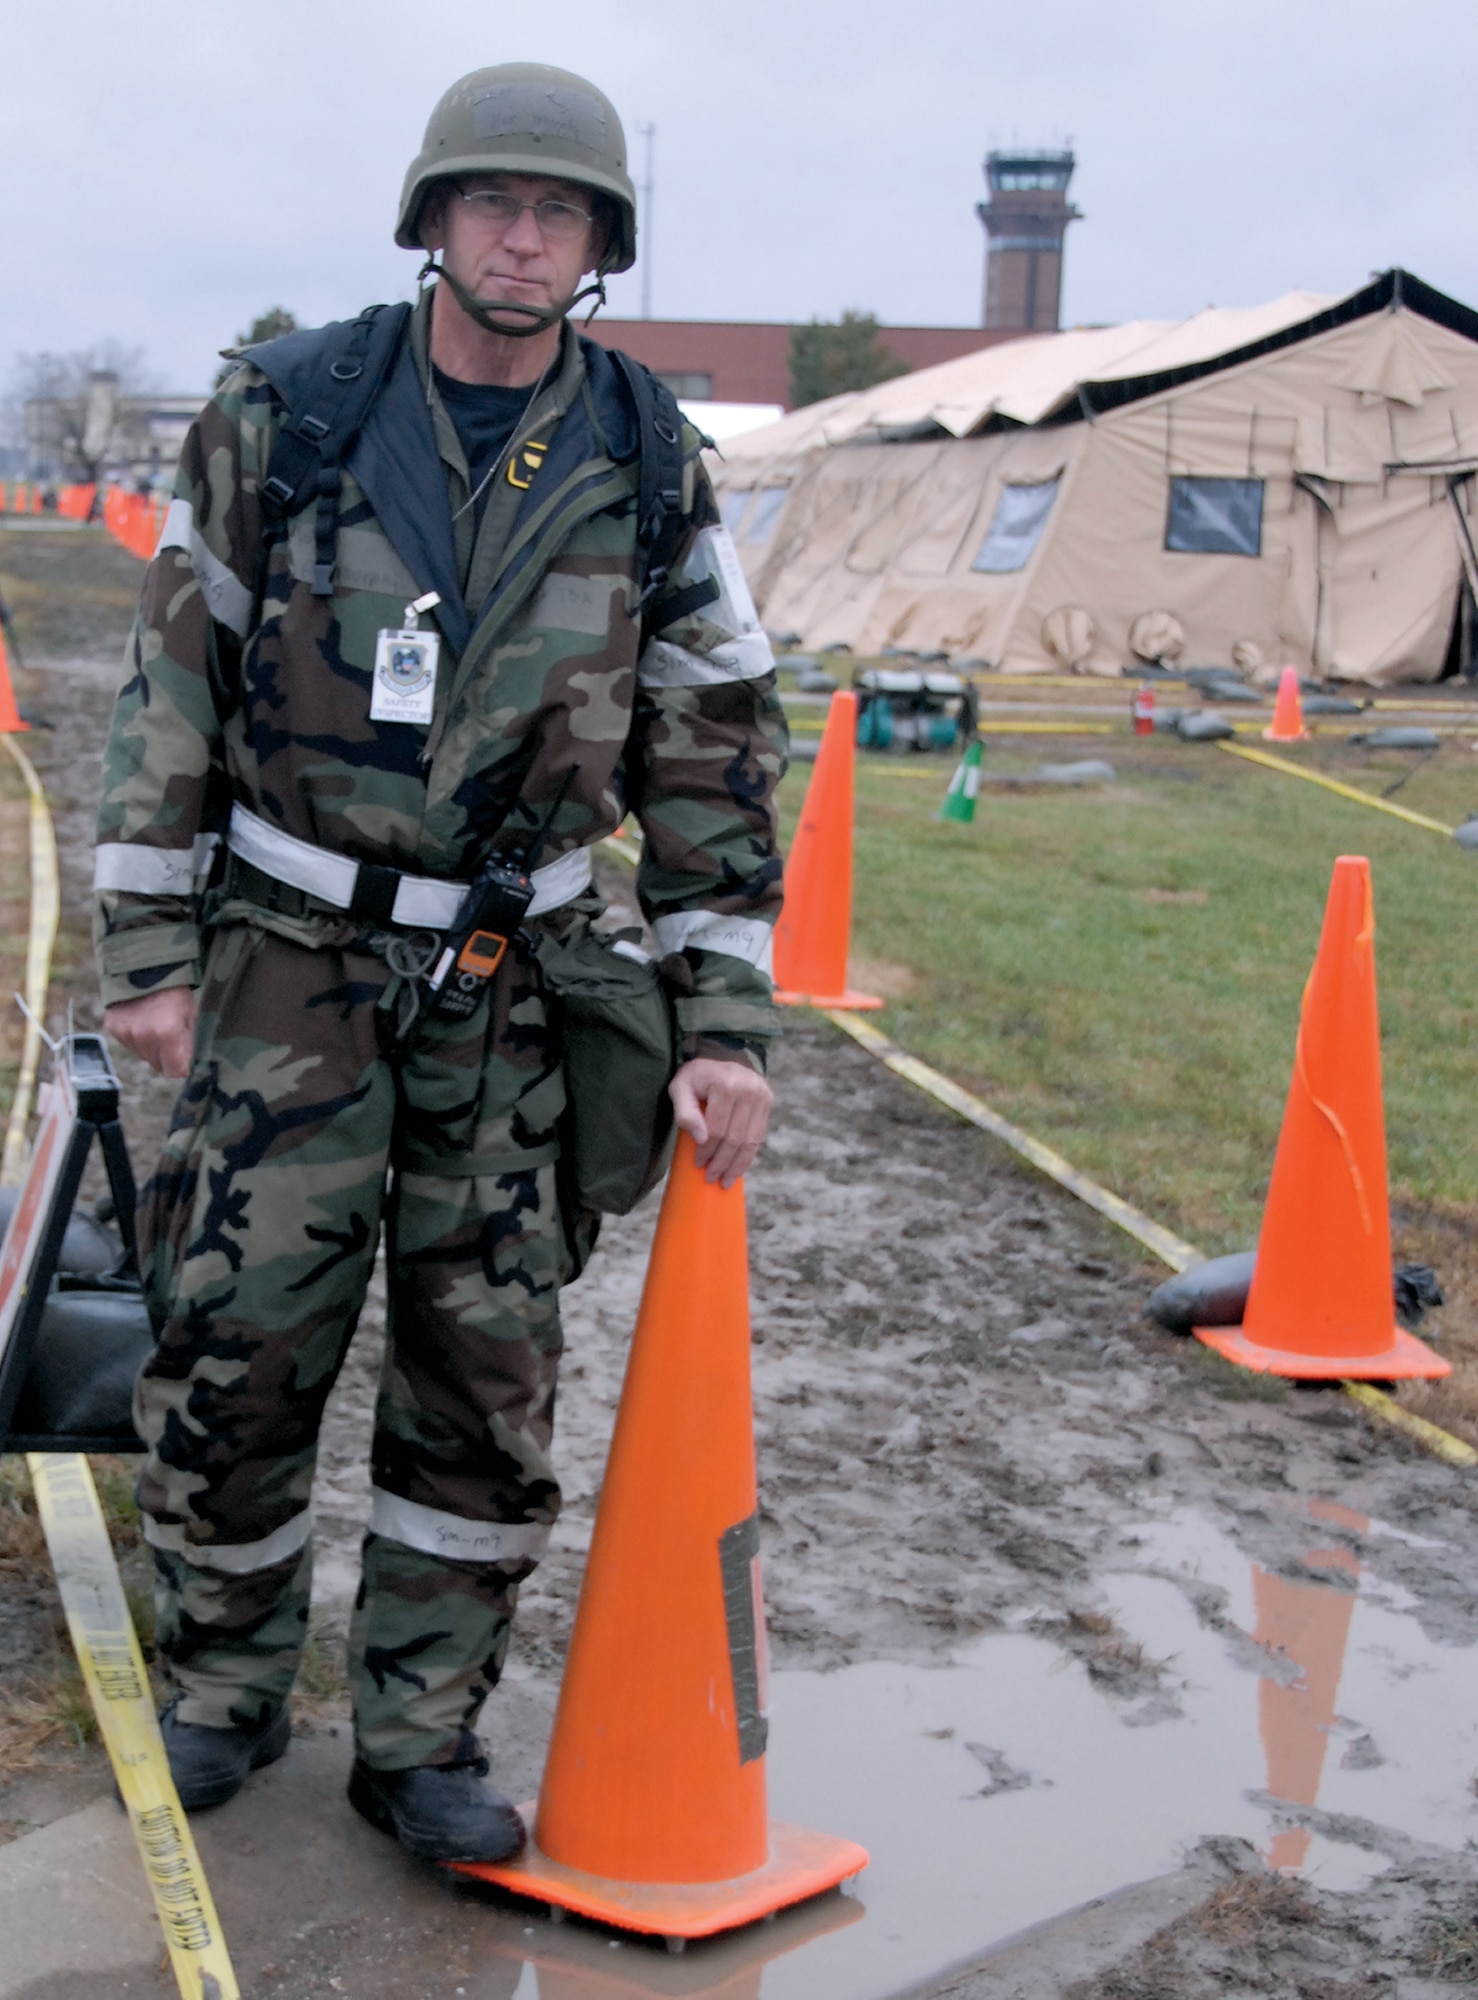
(748, 361)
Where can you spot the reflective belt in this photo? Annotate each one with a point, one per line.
(384, 895)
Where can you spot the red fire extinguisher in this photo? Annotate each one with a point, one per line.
(1144, 711)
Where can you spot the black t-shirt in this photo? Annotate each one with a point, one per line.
(486, 418)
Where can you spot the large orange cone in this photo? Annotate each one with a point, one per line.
(10, 715)
(1320, 1302)
(1287, 725)
(652, 1814)
(815, 927)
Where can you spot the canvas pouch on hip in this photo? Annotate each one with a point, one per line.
(620, 1052)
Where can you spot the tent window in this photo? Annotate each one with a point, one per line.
(731, 508)
(766, 511)
(1215, 517)
(1015, 527)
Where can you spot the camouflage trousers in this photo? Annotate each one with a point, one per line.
(295, 1139)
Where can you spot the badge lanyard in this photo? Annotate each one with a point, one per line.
(405, 668)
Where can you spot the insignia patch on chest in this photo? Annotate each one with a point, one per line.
(525, 463)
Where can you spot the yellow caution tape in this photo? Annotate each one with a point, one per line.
(82, 1555)
(1168, 1247)
(1334, 785)
(45, 914)
(113, 1667)
(1425, 707)
(1437, 1440)
(1106, 684)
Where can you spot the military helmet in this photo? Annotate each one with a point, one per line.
(525, 118)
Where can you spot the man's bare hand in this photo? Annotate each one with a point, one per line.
(159, 1028)
(726, 1108)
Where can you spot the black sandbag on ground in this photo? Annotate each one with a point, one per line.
(1215, 1294)
(1210, 1294)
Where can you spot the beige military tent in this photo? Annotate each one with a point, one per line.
(1288, 484)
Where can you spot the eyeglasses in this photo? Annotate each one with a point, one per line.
(557, 221)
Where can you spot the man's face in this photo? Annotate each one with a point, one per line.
(535, 257)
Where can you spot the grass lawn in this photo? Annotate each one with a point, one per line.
(1119, 968)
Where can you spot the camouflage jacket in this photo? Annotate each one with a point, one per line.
(240, 685)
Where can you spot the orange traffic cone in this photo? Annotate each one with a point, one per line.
(1309, 1624)
(652, 1814)
(1320, 1305)
(10, 715)
(815, 927)
(1287, 725)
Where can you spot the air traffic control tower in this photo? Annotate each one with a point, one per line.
(1025, 221)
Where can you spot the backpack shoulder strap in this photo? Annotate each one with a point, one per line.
(328, 384)
(660, 522)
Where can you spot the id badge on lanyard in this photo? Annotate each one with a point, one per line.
(405, 668)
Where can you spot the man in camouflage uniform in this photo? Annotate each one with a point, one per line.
(498, 466)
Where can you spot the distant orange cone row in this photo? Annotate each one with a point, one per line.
(1287, 725)
(814, 933)
(19, 496)
(74, 503)
(652, 1814)
(1320, 1304)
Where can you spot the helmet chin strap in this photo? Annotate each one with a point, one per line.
(541, 317)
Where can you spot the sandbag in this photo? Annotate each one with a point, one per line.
(88, 1351)
(1086, 771)
(1210, 1294)
(1230, 691)
(1215, 1293)
(1201, 726)
(1399, 737)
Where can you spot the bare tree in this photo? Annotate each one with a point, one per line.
(72, 411)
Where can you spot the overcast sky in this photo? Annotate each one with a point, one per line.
(175, 166)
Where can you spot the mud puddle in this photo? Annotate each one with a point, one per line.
(1312, 1718)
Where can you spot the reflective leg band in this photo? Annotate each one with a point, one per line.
(118, 1686)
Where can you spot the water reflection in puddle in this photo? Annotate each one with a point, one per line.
(1006, 1789)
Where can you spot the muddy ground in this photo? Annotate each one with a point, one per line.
(963, 1421)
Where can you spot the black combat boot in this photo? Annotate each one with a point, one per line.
(440, 1812)
(210, 1766)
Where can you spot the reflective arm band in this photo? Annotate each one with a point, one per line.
(153, 871)
(232, 1558)
(436, 1533)
(749, 938)
(663, 665)
(225, 594)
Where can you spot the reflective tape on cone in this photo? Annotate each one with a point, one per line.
(118, 1687)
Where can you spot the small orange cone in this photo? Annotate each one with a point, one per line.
(652, 1814)
(1320, 1305)
(1287, 725)
(10, 715)
(815, 927)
